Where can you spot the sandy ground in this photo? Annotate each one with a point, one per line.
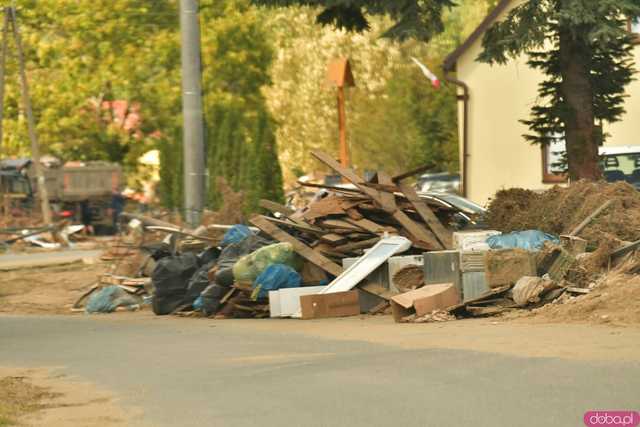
(54, 400)
(51, 290)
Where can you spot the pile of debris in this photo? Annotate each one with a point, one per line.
(376, 246)
(326, 248)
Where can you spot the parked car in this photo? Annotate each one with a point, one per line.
(439, 183)
(621, 163)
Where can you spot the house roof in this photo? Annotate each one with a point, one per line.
(450, 61)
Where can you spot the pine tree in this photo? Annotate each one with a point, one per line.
(584, 50)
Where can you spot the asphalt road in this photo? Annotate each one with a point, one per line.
(184, 372)
(45, 259)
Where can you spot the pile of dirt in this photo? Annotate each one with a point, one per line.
(560, 209)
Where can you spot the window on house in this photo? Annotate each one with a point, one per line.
(554, 162)
(634, 27)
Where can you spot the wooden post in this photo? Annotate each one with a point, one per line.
(339, 75)
(31, 124)
(342, 126)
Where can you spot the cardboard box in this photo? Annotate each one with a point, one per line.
(424, 300)
(339, 304)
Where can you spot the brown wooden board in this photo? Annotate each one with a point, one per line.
(354, 214)
(300, 225)
(421, 236)
(303, 250)
(349, 174)
(342, 224)
(334, 239)
(432, 221)
(387, 199)
(358, 245)
(276, 207)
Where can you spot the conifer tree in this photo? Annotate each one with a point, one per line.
(584, 50)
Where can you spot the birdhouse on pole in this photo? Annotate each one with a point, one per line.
(339, 75)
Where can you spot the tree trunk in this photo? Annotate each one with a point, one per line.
(580, 134)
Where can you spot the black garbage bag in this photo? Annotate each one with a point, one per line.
(211, 298)
(208, 255)
(198, 282)
(224, 277)
(170, 279)
(157, 250)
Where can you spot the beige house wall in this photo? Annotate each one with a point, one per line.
(499, 97)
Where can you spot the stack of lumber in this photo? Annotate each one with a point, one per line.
(348, 219)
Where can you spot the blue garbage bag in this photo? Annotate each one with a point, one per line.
(236, 234)
(274, 277)
(531, 240)
(108, 299)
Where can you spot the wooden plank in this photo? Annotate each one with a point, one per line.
(422, 236)
(334, 239)
(353, 213)
(347, 173)
(625, 249)
(358, 245)
(387, 199)
(575, 290)
(590, 218)
(337, 223)
(368, 225)
(298, 225)
(443, 235)
(303, 250)
(411, 173)
(276, 207)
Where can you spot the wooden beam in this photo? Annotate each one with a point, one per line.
(590, 218)
(387, 199)
(410, 173)
(276, 207)
(302, 227)
(347, 173)
(432, 221)
(303, 250)
(358, 245)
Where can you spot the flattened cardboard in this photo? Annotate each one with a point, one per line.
(339, 304)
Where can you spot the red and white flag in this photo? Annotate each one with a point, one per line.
(435, 81)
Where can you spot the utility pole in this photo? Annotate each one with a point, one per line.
(31, 123)
(193, 125)
(3, 62)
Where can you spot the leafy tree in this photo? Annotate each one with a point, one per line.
(584, 50)
(415, 19)
(237, 55)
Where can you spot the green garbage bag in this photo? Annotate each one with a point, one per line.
(247, 268)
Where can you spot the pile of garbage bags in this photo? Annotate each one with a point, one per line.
(190, 281)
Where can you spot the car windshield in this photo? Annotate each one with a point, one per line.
(622, 167)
